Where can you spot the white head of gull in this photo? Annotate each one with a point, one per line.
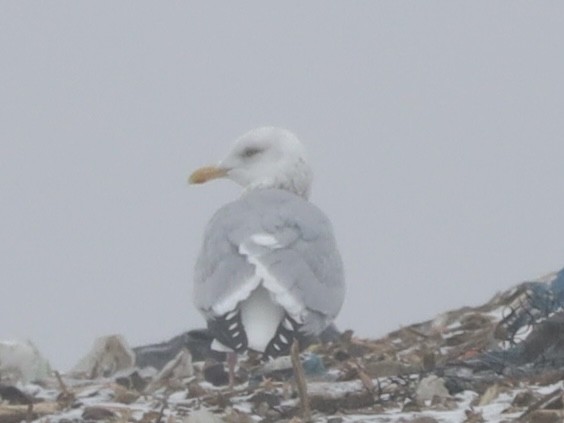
(269, 271)
(266, 157)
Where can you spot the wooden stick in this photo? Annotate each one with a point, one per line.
(19, 413)
(29, 417)
(540, 403)
(61, 383)
(364, 378)
(161, 413)
(66, 397)
(231, 363)
(300, 381)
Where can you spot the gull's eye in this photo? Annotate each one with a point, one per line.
(250, 152)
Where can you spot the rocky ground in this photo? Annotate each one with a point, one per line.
(500, 362)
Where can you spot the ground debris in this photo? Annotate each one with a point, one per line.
(550, 401)
(108, 355)
(349, 401)
(98, 413)
(473, 416)
(13, 395)
(502, 361)
(18, 413)
(174, 374)
(21, 362)
(429, 388)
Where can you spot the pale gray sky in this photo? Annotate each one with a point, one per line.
(435, 130)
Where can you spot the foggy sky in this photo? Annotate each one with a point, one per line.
(435, 131)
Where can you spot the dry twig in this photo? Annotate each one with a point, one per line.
(300, 381)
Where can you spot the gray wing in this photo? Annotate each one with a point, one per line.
(282, 234)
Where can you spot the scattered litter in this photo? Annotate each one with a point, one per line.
(430, 387)
(21, 362)
(109, 355)
(175, 374)
(499, 362)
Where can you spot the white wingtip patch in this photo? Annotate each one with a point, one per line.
(218, 346)
(228, 304)
(280, 293)
(265, 240)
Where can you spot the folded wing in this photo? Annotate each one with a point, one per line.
(277, 239)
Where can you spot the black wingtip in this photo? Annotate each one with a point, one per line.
(283, 338)
(228, 330)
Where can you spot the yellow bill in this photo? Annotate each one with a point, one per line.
(206, 173)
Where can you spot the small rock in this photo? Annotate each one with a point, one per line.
(220, 400)
(473, 416)
(98, 413)
(13, 395)
(215, 374)
(341, 355)
(195, 390)
(442, 403)
(272, 416)
(428, 361)
(272, 400)
(351, 401)
(132, 381)
(124, 395)
(410, 407)
(523, 399)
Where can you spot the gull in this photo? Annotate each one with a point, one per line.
(269, 272)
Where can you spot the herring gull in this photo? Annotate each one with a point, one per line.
(269, 270)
